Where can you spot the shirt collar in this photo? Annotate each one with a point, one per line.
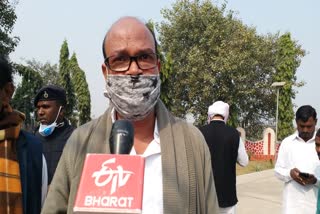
(156, 135)
(156, 132)
(217, 120)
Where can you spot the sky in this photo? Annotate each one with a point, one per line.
(43, 25)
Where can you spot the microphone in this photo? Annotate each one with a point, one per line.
(112, 183)
(121, 137)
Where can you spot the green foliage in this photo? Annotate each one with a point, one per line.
(7, 20)
(213, 56)
(34, 76)
(24, 94)
(69, 76)
(254, 166)
(66, 83)
(288, 59)
(166, 70)
(48, 72)
(166, 74)
(81, 89)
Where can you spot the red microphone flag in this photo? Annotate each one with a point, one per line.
(110, 184)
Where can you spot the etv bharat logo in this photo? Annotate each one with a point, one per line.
(118, 177)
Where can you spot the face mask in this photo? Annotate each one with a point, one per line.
(46, 130)
(133, 97)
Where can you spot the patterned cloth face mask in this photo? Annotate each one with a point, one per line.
(133, 97)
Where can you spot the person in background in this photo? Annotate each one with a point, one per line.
(227, 149)
(297, 163)
(54, 129)
(23, 170)
(178, 175)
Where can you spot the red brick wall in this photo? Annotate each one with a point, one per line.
(255, 150)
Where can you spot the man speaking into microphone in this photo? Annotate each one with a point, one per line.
(178, 175)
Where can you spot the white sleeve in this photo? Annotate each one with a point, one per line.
(44, 188)
(242, 158)
(282, 168)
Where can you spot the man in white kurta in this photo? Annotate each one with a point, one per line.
(297, 154)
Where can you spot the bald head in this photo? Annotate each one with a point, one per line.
(128, 29)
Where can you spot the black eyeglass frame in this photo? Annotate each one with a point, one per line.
(135, 58)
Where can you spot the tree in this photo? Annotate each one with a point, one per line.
(166, 69)
(49, 73)
(25, 92)
(69, 76)
(81, 90)
(34, 76)
(288, 58)
(65, 81)
(7, 20)
(214, 56)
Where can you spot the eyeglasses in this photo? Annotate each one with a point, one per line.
(122, 63)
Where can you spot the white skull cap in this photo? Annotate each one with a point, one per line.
(219, 108)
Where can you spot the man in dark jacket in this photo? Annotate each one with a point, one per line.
(226, 150)
(54, 129)
(23, 171)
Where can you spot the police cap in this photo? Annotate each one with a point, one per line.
(51, 92)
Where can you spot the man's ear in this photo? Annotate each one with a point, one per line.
(9, 89)
(61, 113)
(104, 70)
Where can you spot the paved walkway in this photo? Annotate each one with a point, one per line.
(259, 193)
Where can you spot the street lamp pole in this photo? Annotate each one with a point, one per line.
(277, 113)
(277, 85)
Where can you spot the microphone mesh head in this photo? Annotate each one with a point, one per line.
(121, 137)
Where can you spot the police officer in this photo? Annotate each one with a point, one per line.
(54, 129)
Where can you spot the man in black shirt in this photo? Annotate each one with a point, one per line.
(54, 129)
(227, 149)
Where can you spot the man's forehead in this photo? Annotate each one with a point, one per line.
(128, 29)
(47, 103)
(141, 33)
(310, 120)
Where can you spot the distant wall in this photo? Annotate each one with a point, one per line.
(264, 149)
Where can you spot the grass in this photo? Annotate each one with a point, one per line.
(255, 166)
